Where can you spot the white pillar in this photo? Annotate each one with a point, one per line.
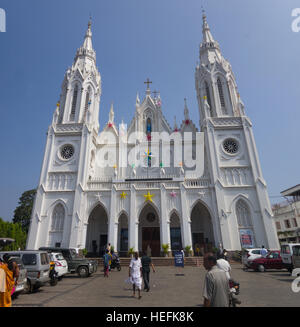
(133, 224)
(186, 219)
(164, 220)
(111, 235)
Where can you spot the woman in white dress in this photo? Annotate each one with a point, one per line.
(135, 273)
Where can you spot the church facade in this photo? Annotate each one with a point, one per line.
(125, 186)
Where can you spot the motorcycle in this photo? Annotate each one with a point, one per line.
(234, 289)
(53, 274)
(115, 263)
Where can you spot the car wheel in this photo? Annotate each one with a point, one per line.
(261, 268)
(83, 271)
(28, 287)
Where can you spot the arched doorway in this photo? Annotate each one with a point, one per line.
(149, 231)
(123, 235)
(175, 232)
(201, 229)
(97, 231)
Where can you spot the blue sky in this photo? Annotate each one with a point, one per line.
(134, 40)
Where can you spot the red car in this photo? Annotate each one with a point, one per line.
(271, 261)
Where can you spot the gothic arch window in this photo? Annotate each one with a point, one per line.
(221, 93)
(243, 214)
(87, 102)
(207, 93)
(58, 218)
(62, 106)
(74, 102)
(148, 126)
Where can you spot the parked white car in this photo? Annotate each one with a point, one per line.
(286, 255)
(250, 254)
(61, 265)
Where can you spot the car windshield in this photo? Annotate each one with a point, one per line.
(59, 256)
(69, 254)
(296, 250)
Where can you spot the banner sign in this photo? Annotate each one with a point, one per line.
(246, 237)
(179, 259)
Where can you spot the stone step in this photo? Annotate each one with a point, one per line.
(161, 261)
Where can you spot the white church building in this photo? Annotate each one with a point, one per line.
(89, 193)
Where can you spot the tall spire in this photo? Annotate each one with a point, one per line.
(88, 37)
(207, 36)
(111, 113)
(209, 48)
(87, 48)
(186, 111)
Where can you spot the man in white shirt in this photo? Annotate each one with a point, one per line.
(216, 285)
(224, 265)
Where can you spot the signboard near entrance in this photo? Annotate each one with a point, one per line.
(179, 259)
(247, 239)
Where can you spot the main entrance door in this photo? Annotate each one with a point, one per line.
(151, 238)
(97, 230)
(149, 231)
(201, 228)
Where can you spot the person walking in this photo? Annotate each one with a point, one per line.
(146, 262)
(108, 247)
(263, 251)
(224, 265)
(106, 259)
(135, 271)
(216, 285)
(9, 274)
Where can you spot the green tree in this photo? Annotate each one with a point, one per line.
(22, 213)
(13, 230)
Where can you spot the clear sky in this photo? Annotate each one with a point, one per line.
(134, 40)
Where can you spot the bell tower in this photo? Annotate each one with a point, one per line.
(69, 152)
(232, 157)
(81, 88)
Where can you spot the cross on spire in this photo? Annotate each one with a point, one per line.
(148, 82)
(155, 93)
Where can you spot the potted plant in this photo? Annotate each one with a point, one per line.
(165, 248)
(131, 252)
(188, 250)
(112, 249)
(84, 252)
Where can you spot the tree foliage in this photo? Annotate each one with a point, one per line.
(22, 213)
(13, 230)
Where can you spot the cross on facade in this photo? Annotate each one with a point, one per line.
(155, 93)
(148, 82)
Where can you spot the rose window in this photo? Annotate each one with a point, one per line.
(67, 152)
(230, 146)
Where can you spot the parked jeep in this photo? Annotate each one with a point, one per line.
(76, 264)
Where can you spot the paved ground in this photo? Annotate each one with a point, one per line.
(170, 287)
